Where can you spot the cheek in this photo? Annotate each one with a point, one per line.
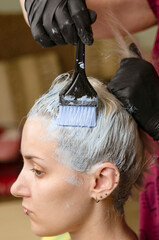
(61, 192)
(59, 198)
(55, 192)
(60, 207)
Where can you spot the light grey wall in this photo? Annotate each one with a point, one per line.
(146, 38)
(9, 6)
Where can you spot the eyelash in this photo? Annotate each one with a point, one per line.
(37, 172)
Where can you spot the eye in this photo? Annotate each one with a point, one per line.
(37, 172)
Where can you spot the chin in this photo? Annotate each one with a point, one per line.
(38, 230)
(41, 231)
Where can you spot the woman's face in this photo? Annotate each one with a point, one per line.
(56, 197)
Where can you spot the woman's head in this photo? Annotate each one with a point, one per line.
(115, 139)
(73, 165)
(51, 191)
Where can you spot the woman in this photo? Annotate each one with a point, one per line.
(135, 16)
(77, 180)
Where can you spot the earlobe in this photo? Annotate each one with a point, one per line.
(105, 179)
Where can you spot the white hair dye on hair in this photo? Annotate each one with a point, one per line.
(114, 139)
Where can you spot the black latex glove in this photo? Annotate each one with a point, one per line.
(59, 22)
(136, 85)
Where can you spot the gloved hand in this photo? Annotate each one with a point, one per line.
(136, 85)
(59, 22)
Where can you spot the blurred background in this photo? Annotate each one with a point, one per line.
(26, 71)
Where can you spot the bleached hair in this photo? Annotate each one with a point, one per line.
(115, 138)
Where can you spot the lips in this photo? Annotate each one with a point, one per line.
(26, 211)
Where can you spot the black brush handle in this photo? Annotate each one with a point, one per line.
(80, 55)
(79, 92)
(79, 66)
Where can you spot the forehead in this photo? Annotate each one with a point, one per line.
(38, 135)
(39, 126)
(39, 141)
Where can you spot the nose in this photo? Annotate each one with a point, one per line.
(20, 187)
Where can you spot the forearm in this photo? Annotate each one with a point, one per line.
(23, 10)
(134, 15)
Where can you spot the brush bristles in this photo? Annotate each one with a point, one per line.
(77, 116)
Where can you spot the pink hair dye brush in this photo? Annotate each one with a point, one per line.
(78, 100)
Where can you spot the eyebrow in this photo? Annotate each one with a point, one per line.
(30, 157)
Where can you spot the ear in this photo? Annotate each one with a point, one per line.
(104, 179)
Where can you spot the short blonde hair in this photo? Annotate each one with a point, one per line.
(115, 138)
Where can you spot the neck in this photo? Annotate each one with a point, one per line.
(104, 226)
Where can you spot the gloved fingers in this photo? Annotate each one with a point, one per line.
(53, 30)
(93, 15)
(113, 87)
(84, 30)
(49, 22)
(65, 23)
(55, 34)
(120, 81)
(133, 48)
(34, 9)
(28, 5)
(82, 20)
(124, 95)
(41, 37)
